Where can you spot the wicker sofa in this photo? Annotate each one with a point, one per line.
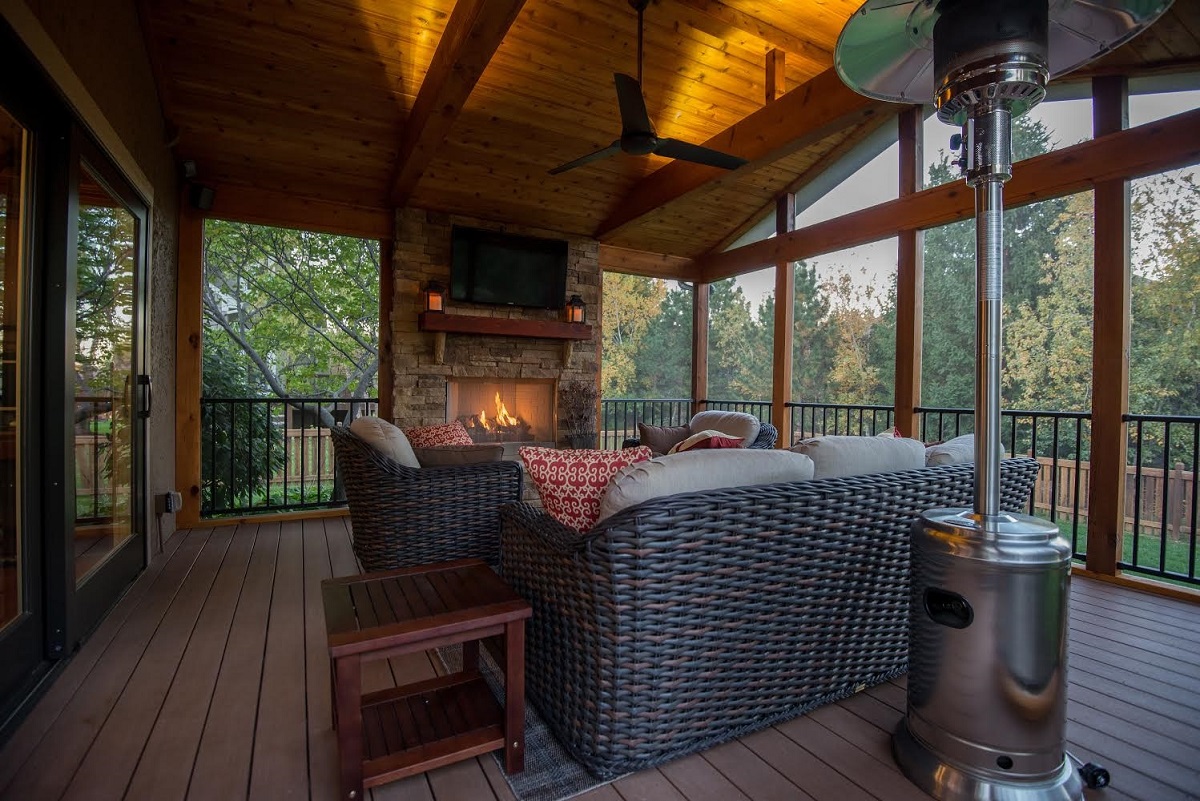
(688, 620)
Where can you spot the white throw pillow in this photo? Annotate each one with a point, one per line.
(696, 471)
(385, 438)
(735, 424)
(959, 450)
(836, 456)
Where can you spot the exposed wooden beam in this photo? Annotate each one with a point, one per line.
(616, 259)
(819, 167)
(776, 75)
(785, 319)
(473, 32)
(910, 279)
(747, 23)
(267, 207)
(1110, 341)
(799, 118)
(1156, 146)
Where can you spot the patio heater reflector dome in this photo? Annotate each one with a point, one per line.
(986, 714)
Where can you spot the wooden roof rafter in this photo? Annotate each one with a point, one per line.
(725, 15)
(473, 33)
(799, 118)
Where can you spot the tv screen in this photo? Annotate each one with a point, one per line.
(493, 267)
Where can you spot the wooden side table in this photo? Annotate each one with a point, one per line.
(387, 735)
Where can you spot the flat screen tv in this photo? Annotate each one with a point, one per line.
(493, 267)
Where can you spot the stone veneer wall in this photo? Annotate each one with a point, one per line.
(422, 254)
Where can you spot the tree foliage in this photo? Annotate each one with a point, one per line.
(301, 307)
(844, 337)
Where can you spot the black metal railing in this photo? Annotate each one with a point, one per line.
(270, 454)
(1160, 497)
(822, 419)
(95, 488)
(760, 409)
(1061, 443)
(619, 417)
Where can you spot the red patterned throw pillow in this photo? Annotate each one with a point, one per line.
(433, 436)
(571, 483)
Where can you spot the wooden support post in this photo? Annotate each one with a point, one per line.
(776, 74)
(1110, 348)
(189, 343)
(785, 325)
(910, 280)
(699, 345)
(387, 297)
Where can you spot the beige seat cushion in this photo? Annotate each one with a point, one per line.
(385, 438)
(959, 450)
(696, 471)
(735, 424)
(855, 456)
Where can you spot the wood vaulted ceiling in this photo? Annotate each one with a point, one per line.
(313, 97)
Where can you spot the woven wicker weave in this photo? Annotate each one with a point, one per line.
(403, 516)
(689, 620)
(767, 435)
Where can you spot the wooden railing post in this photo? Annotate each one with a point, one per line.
(785, 324)
(699, 345)
(910, 280)
(1110, 349)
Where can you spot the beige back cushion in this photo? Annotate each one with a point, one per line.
(855, 456)
(696, 471)
(952, 451)
(735, 424)
(385, 438)
(661, 439)
(451, 455)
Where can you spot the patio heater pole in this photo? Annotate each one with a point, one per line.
(987, 651)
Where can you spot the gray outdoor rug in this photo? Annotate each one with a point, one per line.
(550, 773)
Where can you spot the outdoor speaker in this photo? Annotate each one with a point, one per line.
(202, 196)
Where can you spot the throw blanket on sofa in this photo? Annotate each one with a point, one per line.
(689, 620)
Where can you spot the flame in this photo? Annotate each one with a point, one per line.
(502, 415)
(483, 420)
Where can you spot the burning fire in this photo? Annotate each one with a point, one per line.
(503, 418)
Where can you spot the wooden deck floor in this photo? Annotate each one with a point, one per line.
(209, 681)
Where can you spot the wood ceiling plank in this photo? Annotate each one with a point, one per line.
(265, 207)
(1165, 144)
(803, 116)
(818, 53)
(639, 262)
(472, 35)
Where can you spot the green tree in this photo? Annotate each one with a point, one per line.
(631, 302)
(302, 307)
(664, 360)
(241, 448)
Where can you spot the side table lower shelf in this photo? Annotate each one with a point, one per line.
(421, 726)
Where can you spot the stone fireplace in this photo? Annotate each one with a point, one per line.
(442, 377)
(503, 410)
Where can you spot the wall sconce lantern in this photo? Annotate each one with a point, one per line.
(576, 310)
(435, 297)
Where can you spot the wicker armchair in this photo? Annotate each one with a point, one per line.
(690, 620)
(767, 435)
(403, 516)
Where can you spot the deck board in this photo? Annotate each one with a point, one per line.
(209, 680)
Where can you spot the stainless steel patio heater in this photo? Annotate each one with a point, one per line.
(987, 684)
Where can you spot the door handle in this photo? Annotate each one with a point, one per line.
(147, 399)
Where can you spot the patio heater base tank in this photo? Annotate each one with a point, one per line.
(987, 660)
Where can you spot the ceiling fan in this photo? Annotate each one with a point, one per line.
(637, 133)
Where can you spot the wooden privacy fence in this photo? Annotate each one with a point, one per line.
(1165, 495)
(308, 456)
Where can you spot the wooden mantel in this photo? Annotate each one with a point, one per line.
(501, 326)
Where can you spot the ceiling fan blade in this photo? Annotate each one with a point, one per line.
(603, 153)
(634, 117)
(675, 149)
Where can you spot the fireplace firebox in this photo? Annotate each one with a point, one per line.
(519, 411)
